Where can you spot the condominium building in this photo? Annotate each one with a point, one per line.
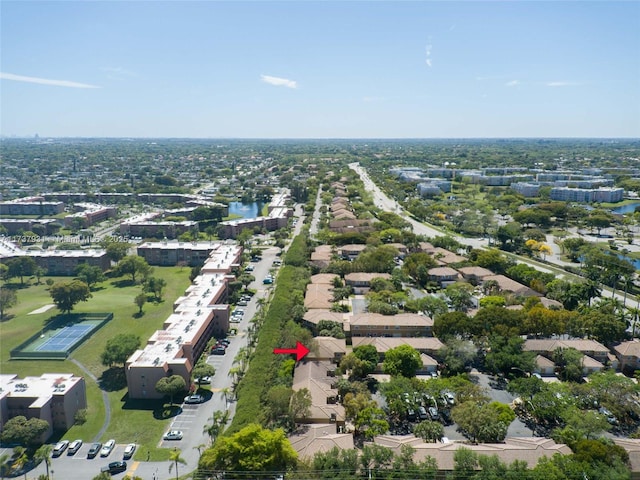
(53, 397)
(173, 253)
(89, 214)
(31, 206)
(587, 195)
(199, 314)
(165, 229)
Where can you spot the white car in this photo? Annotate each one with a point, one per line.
(128, 451)
(173, 435)
(107, 447)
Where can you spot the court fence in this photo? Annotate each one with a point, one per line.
(58, 321)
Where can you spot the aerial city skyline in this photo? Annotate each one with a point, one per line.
(320, 69)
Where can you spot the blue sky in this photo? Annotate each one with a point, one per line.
(304, 69)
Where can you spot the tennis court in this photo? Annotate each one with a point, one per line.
(60, 336)
(63, 339)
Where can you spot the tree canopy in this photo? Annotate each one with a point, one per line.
(171, 386)
(402, 360)
(119, 348)
(25, 432)
(66, 294)
(252, 449)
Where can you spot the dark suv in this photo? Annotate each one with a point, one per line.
(115, 467)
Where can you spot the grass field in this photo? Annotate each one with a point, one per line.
(130, 421)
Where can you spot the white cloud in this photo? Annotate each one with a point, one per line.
(428, 49)
(118, 73)
(279, 82)
(45, 81)
(512, 83)
(562, 84)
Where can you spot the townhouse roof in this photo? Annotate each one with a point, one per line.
(630, 348)
(447, 257)
(632, 447)
(324, 278)
(528, 449)
(478, 272)
(365, 276)
(328, 348)
(549, 345)
(544, 362)
(508, 285)
(383, 344)
(318, 296)
(353, 247)
(315, 315)
(316, 377)
(319, 438)
(402, 319)
(442, 272)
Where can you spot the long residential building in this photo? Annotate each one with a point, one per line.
(587, 195)
(173, 253)
(199, 314)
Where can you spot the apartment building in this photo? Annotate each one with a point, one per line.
(173, 253)
(90, 214)
(587, 195)
(199, 314)
(53, 397)
(166, 229)
(31, 206)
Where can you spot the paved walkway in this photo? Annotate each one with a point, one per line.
(105, 400)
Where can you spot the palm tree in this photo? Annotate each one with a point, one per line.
(3, 464)
(226, 391)
(216, 427)
(21, 459)
(175, 459)
(43, 454)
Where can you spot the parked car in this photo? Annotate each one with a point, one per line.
(194, 399)
(242, 303)
(248, 268)
(74, 447)
(94, 450)
(433, 413)
(224, 341)
(107, 447)
(267, 281)
(128, 451)
(203, 380)
(173, 435)
(220, 350)
(422, 413)
(60, 447)
(115, 467)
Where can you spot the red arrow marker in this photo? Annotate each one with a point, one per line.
(300, 351)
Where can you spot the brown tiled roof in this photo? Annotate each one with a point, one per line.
(321, 437)
(544, 362)
(343, 214)
(630, 348)
(528, 449)
(632, 447)
(405, 319)
(318, 296)
(328, 348)
(508, 285)
(313, 375)
(549, 345)
(442, 272)
(365, 276)
(447, 257)
(383, 344)
(324, 278)
(316, 314)
(354, 247)
(478, 272)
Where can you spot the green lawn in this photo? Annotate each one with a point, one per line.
(130, 421)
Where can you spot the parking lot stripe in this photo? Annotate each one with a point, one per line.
(133, 468)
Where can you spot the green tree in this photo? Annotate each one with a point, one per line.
(429, 431)
(135, 266)
(300, 406)
(402, 360)
(487, 422)
(24, 432)
(371, 421)
(459, 295)
(116, 251)
(375, 459)
(66, 294)
(506, 355)
(175, 459)
(368, 354)
(203, 369)
(252, 449)
(119, 348)
(8, 299)
(21, 267)
(171, 386)
(155, 286)
(336, 463)
(89, 274)
(140, 300)
(569, 363)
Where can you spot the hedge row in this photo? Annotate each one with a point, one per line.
(264, 366)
